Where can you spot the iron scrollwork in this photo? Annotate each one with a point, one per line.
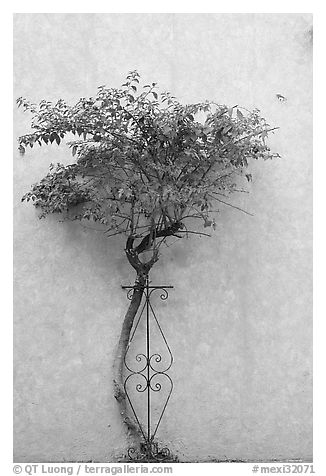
(147, 375)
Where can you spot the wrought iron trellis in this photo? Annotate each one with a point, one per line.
(148, 377)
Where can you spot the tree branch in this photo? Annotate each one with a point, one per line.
(232, 206)
(146, 241)
(194, 233)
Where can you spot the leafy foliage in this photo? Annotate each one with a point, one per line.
(143, 163)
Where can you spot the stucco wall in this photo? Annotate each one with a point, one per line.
(239, 318)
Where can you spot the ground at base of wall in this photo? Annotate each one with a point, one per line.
(176, 460)
(299, 460)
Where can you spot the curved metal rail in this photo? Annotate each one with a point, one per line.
(147, 374)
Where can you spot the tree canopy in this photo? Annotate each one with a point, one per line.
(143, 163)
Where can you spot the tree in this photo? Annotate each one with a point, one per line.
(145, 167)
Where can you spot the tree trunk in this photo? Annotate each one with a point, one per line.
(142, 269)
(118, 364)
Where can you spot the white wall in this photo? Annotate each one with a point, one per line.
(239, 318)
